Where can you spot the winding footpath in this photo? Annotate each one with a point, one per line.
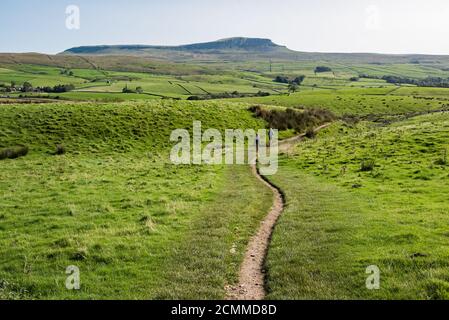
(251, 284)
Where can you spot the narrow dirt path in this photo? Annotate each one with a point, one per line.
(252, 276)
(251, 284)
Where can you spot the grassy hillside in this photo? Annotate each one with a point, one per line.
(98, 63)
(129, 127)
(114, 206)
(359, 196)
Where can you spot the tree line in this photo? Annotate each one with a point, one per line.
(426, 82)
(293, 84)
(28, 87)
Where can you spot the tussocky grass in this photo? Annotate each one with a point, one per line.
(340, 219)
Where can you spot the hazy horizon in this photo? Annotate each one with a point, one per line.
(347, 26)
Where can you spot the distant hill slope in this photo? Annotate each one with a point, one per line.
(246, 44)
(99, 62)
(225, 49)
(220, 57)
(241, 49)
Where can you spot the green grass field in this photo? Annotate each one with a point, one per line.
(115, 206)
(362, 101)
(329, 90)
(371, 189)
(340, 219)
(107, 85)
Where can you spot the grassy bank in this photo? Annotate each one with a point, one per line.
(361, 196)
(137, 226)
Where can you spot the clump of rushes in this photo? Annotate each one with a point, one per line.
(367, 165)
(60, 149)
(443, 160)
(13, 153)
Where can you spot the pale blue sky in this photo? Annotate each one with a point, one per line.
(385, 26)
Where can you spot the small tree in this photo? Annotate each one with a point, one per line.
(281, 79)
(127, 90)
(299, 80)
(322, 69)
(27, 87)
(293, 87)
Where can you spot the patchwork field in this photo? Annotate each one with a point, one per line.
(106, 85)
(215, 78)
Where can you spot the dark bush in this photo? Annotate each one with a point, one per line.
(262, 94)
(22, 151)
(293, 119)
(128, 90)
(228, 95)
(299, 80)
(322, 69)
(281, 79)
(27, 87)
(13, 153)
(310, 133)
